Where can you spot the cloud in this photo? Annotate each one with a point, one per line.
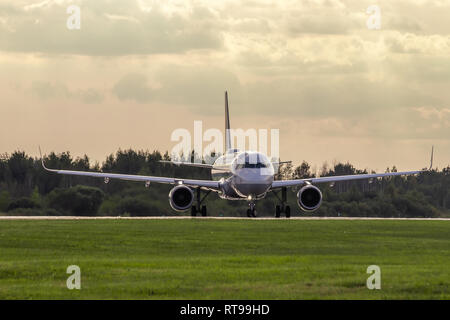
(440, 116)
(46, 90)
(410, 43)
(423, 70)
(133, 87)
(402, 23)
(340, 97)
(198, 86)
(118, 31)
(90, 96)
(312, 68)
(330, 22)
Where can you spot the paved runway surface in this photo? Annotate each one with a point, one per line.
(218, 218)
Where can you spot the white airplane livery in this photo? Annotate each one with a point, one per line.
(237, 175)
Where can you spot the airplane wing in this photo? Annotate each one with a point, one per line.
(300, 182)
(210, 184)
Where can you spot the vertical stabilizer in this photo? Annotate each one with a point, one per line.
(227, 124)
(431, 162)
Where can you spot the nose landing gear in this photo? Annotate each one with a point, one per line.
(251, 211)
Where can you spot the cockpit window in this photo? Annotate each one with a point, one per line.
(254, 161)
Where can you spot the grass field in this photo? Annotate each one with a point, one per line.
(224, 259)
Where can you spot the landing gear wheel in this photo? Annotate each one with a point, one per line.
(249, 213)
(193, 211)
(204, 213)
(287, 211)
(254, 213)
(277, 211)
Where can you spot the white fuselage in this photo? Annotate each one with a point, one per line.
(243, 175)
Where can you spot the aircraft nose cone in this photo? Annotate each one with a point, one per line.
(252, 182)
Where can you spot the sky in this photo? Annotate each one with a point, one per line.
(337, 88)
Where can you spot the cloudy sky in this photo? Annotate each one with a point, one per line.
(138, 69)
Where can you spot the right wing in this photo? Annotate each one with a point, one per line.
(209, 184)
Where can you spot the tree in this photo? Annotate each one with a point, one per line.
(21, 177)
(303, 171)
(79, 200)
(5, 200)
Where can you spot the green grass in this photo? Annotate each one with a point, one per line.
(224, 259)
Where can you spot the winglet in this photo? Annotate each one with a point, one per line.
(431, 161)
(42, 158)
(42, 161)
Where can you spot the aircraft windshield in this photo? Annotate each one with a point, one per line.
(254, 161)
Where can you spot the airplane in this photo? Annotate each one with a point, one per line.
(237, 175)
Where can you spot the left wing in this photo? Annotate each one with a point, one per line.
(300, 182)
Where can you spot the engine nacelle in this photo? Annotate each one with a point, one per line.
(181, 198)
(309, 198)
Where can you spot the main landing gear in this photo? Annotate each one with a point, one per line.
(282, 207)
(198, 208)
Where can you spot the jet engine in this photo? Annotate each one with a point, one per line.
(181, 198)
(309, 198)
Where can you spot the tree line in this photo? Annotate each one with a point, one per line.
(27, 189)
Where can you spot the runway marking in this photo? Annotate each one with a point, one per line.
(208, 218)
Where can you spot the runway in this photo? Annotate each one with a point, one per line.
(208, 218)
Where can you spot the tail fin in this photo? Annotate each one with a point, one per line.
(227, 124)
(431, 162)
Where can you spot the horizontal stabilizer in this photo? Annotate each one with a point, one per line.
(188, 164)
